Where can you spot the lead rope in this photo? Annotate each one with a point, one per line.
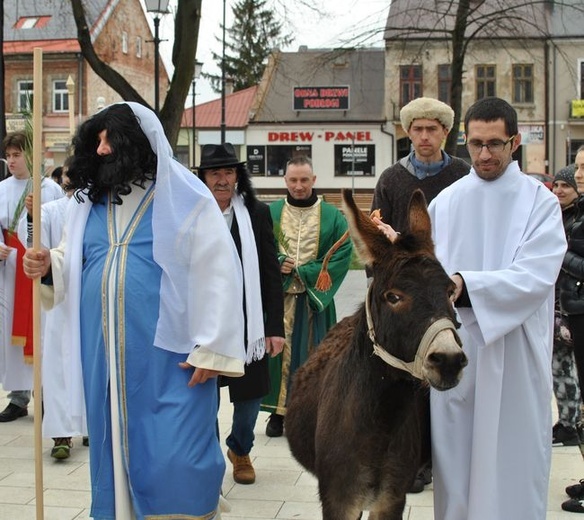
(413, 367)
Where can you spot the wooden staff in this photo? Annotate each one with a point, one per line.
(37, 136)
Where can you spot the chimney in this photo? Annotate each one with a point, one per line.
(228, 86)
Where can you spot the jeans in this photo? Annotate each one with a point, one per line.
(19, 398)
(245, 413)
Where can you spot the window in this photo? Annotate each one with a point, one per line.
(485, 78)
(24, 101)
(522, 83)
(410, 83)
(125, 42)
(272, 159)
(60, 96)
(359, 158)
(138, 47)
(444, 83)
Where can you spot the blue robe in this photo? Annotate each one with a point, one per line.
(156, 405)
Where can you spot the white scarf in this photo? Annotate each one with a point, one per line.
(256, 344)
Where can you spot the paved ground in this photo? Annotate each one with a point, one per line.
(283, 491)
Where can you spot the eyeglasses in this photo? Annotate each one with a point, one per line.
(492, 146)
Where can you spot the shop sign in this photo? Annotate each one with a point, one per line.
(531, 134)
(355, 160)
(15, 123)
(321, 98)
(578, 108)
(256, 159)
(308, 137)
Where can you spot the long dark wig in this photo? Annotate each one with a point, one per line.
(132, 160)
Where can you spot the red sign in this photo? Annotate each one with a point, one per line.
(360, 136)
(321, 98)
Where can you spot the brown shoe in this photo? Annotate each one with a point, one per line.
(243, 472)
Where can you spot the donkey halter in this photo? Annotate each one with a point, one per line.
(413, 367)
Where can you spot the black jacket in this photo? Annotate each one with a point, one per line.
(571, 276)
(255, 382)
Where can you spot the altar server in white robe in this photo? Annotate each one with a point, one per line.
(153, 284)
(16, 355)
(63, 402)
(499, 234)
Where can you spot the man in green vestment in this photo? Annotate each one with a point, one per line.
(306, 229)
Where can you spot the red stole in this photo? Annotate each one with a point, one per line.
(22, 334)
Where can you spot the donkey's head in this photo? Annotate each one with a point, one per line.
(410, 315)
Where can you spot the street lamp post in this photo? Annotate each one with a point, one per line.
(158, 7)
(353, 165)
(223, 82)
(71, 100)
(196, 74)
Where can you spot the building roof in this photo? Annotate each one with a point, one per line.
(488, 19)
(208, 115)
(361, 70)
(567, 19)
(49, 21)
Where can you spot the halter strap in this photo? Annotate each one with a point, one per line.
(413, 367)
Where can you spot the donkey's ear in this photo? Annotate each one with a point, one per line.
(419, 219)
(370, 243)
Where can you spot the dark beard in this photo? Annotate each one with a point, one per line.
(111, 176)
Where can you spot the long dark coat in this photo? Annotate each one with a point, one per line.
(255, 382)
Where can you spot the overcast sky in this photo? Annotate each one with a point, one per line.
(345, 22)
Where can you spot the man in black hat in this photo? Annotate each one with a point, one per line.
(251, 226)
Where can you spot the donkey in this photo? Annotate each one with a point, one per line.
(358, 411)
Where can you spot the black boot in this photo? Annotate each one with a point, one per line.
(275, 427)
(423, 478)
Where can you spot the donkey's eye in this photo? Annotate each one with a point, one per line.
(392, 298)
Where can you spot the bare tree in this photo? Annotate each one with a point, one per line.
(186, 30)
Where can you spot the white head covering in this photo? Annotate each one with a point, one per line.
(197, 307)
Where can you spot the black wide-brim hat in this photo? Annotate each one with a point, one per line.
(218, 156)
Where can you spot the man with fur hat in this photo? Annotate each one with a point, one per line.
(427, 122)
(251, 228)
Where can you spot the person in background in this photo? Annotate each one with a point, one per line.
(566, 387)
(428, 167)
(250, 224)
(427, 122)
(572, 304)
(499, 235)
(313, 245)
(57, 175)
(63, 404)
(16, 290)
(152, 285)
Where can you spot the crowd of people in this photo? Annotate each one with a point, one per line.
(235, 298)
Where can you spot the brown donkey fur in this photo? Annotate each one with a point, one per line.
(357, 423)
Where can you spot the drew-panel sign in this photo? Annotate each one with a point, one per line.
(321, 98)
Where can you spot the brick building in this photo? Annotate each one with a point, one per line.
(121, 37)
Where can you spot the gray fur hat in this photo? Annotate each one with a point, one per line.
(566, 174)
(426, 108)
